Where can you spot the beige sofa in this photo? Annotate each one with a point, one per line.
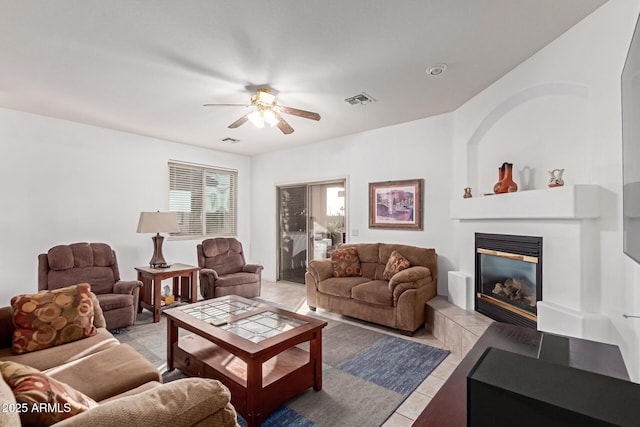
(398, 303)
(125, 384)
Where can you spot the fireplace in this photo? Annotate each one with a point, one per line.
(508, 279)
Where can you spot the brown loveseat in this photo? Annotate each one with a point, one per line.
(126, 386)
(398, 303)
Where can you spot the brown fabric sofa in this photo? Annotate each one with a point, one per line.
(224, 270)
(96, 264)
(398, 303)
(125, 384)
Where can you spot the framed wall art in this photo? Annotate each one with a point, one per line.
(396, 204)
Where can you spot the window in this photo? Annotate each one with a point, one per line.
(204, 199)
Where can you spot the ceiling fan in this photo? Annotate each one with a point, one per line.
(267, 111)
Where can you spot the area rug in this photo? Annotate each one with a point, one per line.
(366, 376)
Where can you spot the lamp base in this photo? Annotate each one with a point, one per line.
(157, 260)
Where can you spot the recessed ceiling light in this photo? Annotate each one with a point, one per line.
(436, 69)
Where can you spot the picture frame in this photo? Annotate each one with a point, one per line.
(396, 205)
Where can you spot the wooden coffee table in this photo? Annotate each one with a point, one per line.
(248, 346)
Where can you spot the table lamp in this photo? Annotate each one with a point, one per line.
(158, 222)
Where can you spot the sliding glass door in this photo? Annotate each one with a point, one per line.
(311, 224)
(293, 233)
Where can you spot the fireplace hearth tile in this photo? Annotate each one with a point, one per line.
(456, 328)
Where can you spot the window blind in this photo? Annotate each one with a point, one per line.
(204, 199)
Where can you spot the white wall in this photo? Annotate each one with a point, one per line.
(65, 182)
(419, 149)
(561, 109)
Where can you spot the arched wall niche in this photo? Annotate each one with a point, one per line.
(538, 129)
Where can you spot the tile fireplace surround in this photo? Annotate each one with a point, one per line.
(567, 218)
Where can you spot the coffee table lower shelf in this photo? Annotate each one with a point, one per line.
(284, 376)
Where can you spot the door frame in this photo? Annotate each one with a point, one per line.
(279, 186)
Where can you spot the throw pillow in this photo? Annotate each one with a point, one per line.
(345, 262)
(395, 264)
(41, 400)
(51, 318)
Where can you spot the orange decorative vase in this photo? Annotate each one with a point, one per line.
(505, 182)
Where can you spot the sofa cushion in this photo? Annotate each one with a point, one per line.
(340, 286)
(98, 316)
(58, 355)
(369, 257)
(235, 279)
(374, 292)
(345, 262)
(110, 302)
(32, 388)
(112, 371)
(395, 264)
(52, 318)
(100, 278)
(60, 257)
(9, 416)
(184, 402)
(223, 255)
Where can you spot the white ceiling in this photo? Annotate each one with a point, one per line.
(147, 66)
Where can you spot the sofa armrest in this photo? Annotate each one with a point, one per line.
(320, 269)
(410, 278)
(183, 402)
(252, 268)
(126, 286)
(210, 274)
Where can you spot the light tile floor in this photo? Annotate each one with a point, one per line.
(294, 295)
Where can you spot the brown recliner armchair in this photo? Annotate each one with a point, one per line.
(95, 264)
(224, 270)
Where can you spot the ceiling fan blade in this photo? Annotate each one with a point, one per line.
(242, 120)
(300, 113)
(283, 125)
(225, 105)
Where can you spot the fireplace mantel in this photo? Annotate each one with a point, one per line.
(567, 218)
(570, 202)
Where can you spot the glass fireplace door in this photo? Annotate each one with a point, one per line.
(509, 279)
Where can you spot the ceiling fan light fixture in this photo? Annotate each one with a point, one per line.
(270, 117)
(266, 109)
(263, 96)
(256, 118)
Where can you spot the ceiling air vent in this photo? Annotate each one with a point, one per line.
(231, 140)
(360, 99)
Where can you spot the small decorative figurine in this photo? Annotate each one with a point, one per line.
(467, 193)
(555, 178)
(505, 182)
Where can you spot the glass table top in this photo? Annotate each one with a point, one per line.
(218, 312)
(261, 326)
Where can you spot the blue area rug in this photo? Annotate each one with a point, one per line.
(366, 376)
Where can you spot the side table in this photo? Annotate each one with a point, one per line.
(185, 284)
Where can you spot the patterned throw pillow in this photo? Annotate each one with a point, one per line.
(41, 400)
(395, 264)
(51, 318)
(345, 262)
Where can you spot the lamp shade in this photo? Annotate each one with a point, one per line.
(158, 222)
